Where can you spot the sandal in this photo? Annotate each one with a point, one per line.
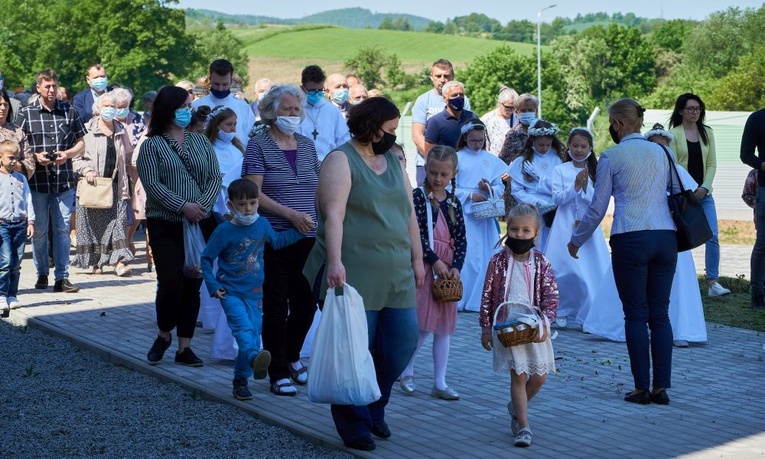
(299, 376)
(283, 388)
(122, 271)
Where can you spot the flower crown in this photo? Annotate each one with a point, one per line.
(660, 132)
(218, 110)
(543, 132)
(581, 128)
(470, 126)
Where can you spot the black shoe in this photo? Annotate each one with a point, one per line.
(65, 286)
(188, 358)
(381, 430)
(661, 398)
(363, 443)
(158, 349)
(42, 282)
(241, 392)
(641, 398)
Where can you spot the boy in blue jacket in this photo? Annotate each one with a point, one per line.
(238, 283)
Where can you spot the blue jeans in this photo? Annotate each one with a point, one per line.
(57, 209)
(393, 337)
(758, 251)
(245, 319)
(644, 266)
(13, 239)
(712, 246)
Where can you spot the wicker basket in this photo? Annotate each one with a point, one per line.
(521, 326)
(446, 290)
(491, 208)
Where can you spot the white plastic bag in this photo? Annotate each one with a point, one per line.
(342, 371)
(193, 246)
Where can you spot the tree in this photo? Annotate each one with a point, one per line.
(367, 63)
(219, 44)
(435, 27)
(743, 89)
(671, 35)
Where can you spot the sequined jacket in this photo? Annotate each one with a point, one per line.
(545, 288)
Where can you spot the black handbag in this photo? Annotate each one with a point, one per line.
(691, 222)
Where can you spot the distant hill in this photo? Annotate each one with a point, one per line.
(352, 18)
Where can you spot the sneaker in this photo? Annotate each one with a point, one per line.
(407, 385)
(681, 343)
(14, 302)
(158, 349)
(515, 427)
(717, 290)
(63, 285)
(42, 282)
(523, 438)
(259, 365)
(561, 322)
(6, 309)
(241, 392)
(188, 358)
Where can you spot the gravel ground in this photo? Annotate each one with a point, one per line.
(57, 401)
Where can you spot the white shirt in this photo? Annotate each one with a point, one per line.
(325, 125)
(245, 119)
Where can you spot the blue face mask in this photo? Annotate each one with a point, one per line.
(122, 113)
(457, 104)
(526, 118)
(99, 83)
(340, 96)
(108, 113)
(182, 117)
(220, 94)
(314, 97)
(245, 220)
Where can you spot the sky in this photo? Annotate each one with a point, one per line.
(502, 10)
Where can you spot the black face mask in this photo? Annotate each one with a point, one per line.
(519, 246)
(383, 145)
(614, 134)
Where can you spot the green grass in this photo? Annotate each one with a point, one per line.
(733, 310)
(338, 44)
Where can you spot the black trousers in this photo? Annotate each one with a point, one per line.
(288, 305)
(177, 300)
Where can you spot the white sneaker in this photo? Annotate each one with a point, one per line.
(14, 303)
(4, 304)
(561, 322)
(717, 290)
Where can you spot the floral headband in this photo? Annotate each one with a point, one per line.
(218, 110)
(470, 126)
(543, 132)
(661, 132)
(581, 128)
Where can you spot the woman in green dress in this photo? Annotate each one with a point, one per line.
(368, 237)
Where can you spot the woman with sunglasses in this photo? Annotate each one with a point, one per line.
(500, 120)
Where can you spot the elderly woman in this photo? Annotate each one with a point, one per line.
(643, 245)
(500, 120)
(285, 167)
(9, 131)
(101, 238)
(180, 174)
(526, 107)
(368, 236)
(694, 145)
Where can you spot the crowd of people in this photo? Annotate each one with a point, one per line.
(253, 210)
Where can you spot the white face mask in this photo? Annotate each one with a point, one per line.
(226, 137)
(288, 124)
(579, 160)
(245, 220)
(340, 96)
(108, 113)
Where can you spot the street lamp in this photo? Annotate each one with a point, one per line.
(539, 56)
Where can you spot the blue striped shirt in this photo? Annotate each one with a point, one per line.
(280, 182)
(636, 173)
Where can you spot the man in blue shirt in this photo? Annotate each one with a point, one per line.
(83, 100)
(444, 127)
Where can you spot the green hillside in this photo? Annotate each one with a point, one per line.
(338, 44)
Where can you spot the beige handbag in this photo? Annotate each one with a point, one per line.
(98, 196)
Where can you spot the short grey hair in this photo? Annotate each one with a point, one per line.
(450, 84)
(523, 98)
(105, 97)
(269, 104)
(122, 95)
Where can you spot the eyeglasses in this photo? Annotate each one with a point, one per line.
(510, 108)
(692, 109)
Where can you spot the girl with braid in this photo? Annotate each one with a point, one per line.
(480, 174)
(443, 242)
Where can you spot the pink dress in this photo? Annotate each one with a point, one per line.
(432, 316)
